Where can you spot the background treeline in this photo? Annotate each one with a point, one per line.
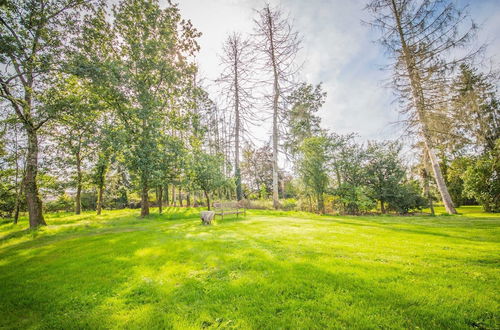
(103, 107)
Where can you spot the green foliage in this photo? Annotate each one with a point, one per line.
(482, 180)
(406, 197)
(384, 171)
(455, 181)
(207, 172)
(476, 108)
(63, 203)
(303, 122)
(353, 199)
(314, 165)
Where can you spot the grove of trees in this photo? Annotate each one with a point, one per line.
(103, 107)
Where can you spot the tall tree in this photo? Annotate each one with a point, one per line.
(33, 37)
(384, 171)
(476, 107)
(145, 73)
(302, 120)
(74, 131)
(237, 59)
(278, 43)
(421, 34)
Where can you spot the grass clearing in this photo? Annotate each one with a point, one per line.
(269, 270)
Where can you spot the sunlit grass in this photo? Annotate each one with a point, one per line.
(267, 270)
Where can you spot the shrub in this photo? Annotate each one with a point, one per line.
(353, 199)
(406, 198)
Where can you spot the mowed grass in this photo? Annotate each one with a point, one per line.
(268, 270)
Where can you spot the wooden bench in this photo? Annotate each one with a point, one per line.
(223, 208)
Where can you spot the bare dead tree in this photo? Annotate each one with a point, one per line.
(278, 43)
(423, 38)
(237, 84)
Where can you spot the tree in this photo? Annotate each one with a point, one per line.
(207, 173)
(421, 36)
(476, 107)
(314, 165)
(384, 171)
(302, 120)
(278, 43)
(34, 37)
(482, 180)
(74, 130)
(237, 59)
(143, 75)
(257, 169)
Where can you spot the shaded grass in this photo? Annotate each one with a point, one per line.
(269, 270)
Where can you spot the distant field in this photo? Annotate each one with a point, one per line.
(269, 270)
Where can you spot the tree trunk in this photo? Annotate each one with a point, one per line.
(275, 113)
(237, 172)
(207, 198)
(419, 104)
(321, 203)
(144, 199)
(174, 202)
(438, 176)
(382, 207)
(188, 199)
(30, 185)
(99, 199)
(180, 196)
(78, 197)
(160, 199)
(167, 201)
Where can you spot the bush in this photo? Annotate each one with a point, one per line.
(406, 198)
(353, 200)
(289, 204)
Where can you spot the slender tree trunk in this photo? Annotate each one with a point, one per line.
(237, 171)
(99, 199)
(207, 198)
(167, 201)
(17, 183)
(144, 199)
(30, 185)
(180, 197)
(78, 197)
(160, 199)
(321, 203)
(275, 112)
(174, 202)
(419, 103)
(382, 207)
(427, 190)
(188, 199)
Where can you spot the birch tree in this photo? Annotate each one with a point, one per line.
(423, 36)
(278, 43)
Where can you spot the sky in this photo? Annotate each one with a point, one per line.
(337, 50)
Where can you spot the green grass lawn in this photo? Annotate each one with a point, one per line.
(269, 270)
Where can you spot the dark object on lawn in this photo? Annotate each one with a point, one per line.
(207, 217)
(223, 208)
